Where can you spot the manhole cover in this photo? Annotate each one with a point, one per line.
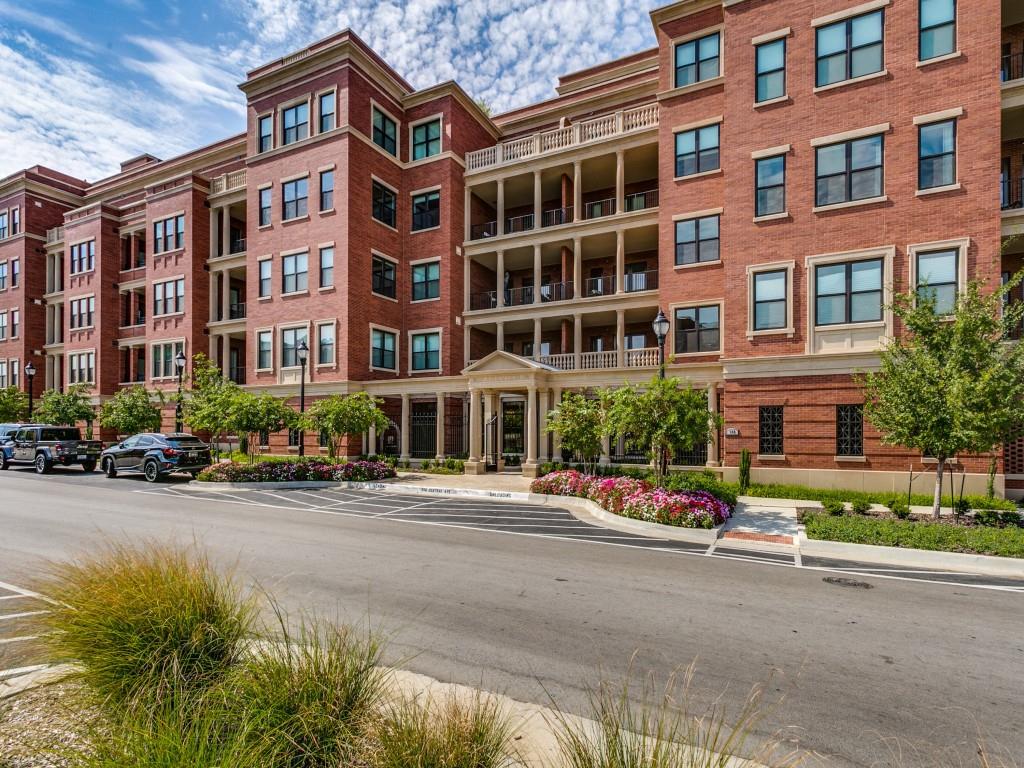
(839, 581)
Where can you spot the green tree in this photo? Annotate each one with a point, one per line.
(665, 416)
(13, 404)
(207, 407)
(132, 410)
(950, 384)
(65, 409)
(338, 416)
(252, 414)
(579, 421)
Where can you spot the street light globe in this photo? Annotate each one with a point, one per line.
(30, 370)
(179, 360)
(303, 350)
(660, 326)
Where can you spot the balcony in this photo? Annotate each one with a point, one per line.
(55, 235)
(602, 128)
(589, 361)
(133, 331)
(236, 311)
(228, 182)
(1011, 67)
(1011, 194)
(237, 246)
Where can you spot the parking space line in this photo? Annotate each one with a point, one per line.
(22, 615)
(7, 674)
(22, 639)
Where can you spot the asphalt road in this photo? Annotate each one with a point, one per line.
(534, 615)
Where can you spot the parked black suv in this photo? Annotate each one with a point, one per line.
(46, 446)
(156, 456)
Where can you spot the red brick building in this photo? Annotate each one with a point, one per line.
(767, 176)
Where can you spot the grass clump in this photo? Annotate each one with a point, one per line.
(444, 734)
(147, 624)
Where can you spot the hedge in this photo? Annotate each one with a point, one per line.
(301, 470)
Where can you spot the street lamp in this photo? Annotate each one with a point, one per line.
(303, 352)
(660, 326)
(30, 374)
(179, 364)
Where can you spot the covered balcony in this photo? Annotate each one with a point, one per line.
(132, 310)
(227, 294)
(133, 364)
(227, 230)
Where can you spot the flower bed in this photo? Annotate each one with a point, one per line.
(638, 499)
(298, 470)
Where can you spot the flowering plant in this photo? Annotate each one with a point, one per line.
(300, 470)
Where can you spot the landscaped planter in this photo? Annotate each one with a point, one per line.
(286, 474)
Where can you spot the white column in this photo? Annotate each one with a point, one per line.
(579, 289)
(225, 230)
(467, 282)
(620, 261)
(620, 182)
(556, 439)
(225, 359)
(577, 341)
(577, 191)
(606, 458)
(501, 207)
(542, 423)
(499, 340)
(713, 441)
(474, 464)
(406, 421)
(538, 202)
(489, 399)
(225, 295)
(467, 346)
(214, 345)
(620, 337)
(213, 296)
(467, 217)
(500, 271)
(536, 337)
(440, 426)
(214, 214)
(536, 274)
(530, 419)
(371, 440)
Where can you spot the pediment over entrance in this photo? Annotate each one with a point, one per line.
(500, 361)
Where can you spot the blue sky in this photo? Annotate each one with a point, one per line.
(89, 84)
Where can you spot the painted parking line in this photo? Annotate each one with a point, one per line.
(20, 653)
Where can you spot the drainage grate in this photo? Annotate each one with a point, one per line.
(839, 581)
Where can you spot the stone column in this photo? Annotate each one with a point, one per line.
(500, 269)
(530, 422)
(225, 355)
(536, 274)
(467, 345)
(579, 289)
(536, 337)
(499, 341)
(474, 465)
(620, 337)
(440, 430)
(620, 182)
(542, 423)
(214, 215)
(620, 261)
(467, 208)
(713, 441)
(406, 425)
(577, 190)
(371, 440)
(225, 230)
(577, 341)
(500, 225)
(556, 439)
(225, 295)
(538, 203)
(467, 283)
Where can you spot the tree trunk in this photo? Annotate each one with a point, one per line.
(940, 467)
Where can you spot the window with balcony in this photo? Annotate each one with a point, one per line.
(169, 297)
(426, 351)
(82, 368)
(770, 182)
(382, 349)
(295, 123)
(850, 430)
(770, 300)
(385, 132)
(326, 267)
(266, 196)
(325, 344)
(426, 211)
(295, 197)
(82, 312)
(936, 161)
(163, 359)
(697, 240)
(937, 36)
(294, 273)
(769, 430)
(426, 281)
(291, 339)
(849, 171)
(325, 111)
(697, 151)
(83, 258)
(697, 330)
(264, 350)
(850, 48)
(383, 277)
(385, 204)
(266, 267)
(697, 60)
(326, 190)
(169, 234)
(937, 279)
(265, 128)
(426, 139)
(850, 292)
(770, 63)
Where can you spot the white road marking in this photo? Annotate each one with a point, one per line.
(18, 671)
(22, 615)
(19, 639)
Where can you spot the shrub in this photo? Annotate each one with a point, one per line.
(702, 481)
(1011, 517)
(899, 507)
(301, 470)
(744, 470)
(448, 466)
(861, 506)
(834, 507)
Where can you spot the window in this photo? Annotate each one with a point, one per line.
(82, 312)
(697, 151)
(426, 281)
(266, 267)
(264, 350)
(697, 240)
(936, 162)
(16, 320)
(697, 60)
(296, 123)
(264, 438)
(3, 325)
(15, 272)
(937, 279)
(326, 190)
(697, 330)
(3, 276)
(83, 258)
(265, 203)
(326, 111)
(169, 297)
(295, 195)
(382, 345)
(81, 368)
(294, 437)
(169, 234)
(291, 339)
(266, 133)
(3, 225)
(426, 139)
(848, 293)
(385, 132)
(325, 344)
(770, 310)
(15, 221)
(426, 351)
(771, 71)
(850, 48)
(326, 267)
(3, 374)
(384, 204)
(164, 366)
(848, 171)
(770, 181)
(938, 28)
(295, 273)
(384, 277)
(769, 430)
(426, 210)
(849, 430)
(15, 369)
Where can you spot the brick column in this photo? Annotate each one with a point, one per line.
(713, 441)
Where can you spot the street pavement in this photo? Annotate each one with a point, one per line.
(527, 601)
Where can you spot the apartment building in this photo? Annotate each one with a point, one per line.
(766, 176)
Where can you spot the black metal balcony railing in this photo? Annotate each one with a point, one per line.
(1011, 193)
(640, 281)
(131, 321)
(557, 291)
(556, 216)
(517, 297)
(481, 231)
(599, 208)
(515, 224)
(639, 201)
(599, 286)
(1012, 67)
(237, 375)
(485, 300)
(237, 246)
(236, 311)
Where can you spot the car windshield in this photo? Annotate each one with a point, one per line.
(189, 443)
(61, 433)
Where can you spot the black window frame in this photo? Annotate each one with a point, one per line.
(382, 137)
(384, 205)
(321, 115)
(382, 283)
(264, 141)
(922, 30)
(699, 330)
(918, 285)
(921, 157)
(290, 351)
(428, 287)
(269, 351)
(702, 162)
(326, 277)
(758, 188)
(299, 203)
(265, 282)
(297, 278)
(421, 138)
(425, 355)
(327, 193)
(758, 74)
(848, 292)
(298, 131)
(754, 302)
(321, 345)
(848, 171)
(771, 433)
(266, 202)
(698, 241)
(850, 430)
(380, 355)
(697, 60)
(849, 50)
(426, 210)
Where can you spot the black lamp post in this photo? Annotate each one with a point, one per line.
(179, 363)
(30, 374)
(660, 326)
(303, 352)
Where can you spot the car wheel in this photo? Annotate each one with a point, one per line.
(4, 464)
(43, 464)
(89, 466)
(194, 474)
(109, 467)
(151, 471)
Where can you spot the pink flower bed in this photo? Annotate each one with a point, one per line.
(638, 499)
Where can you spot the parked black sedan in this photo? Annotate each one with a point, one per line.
(156, 455)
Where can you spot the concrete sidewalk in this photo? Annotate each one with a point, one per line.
(763, 521)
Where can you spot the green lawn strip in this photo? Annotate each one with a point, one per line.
(774, 491)
(982, 540)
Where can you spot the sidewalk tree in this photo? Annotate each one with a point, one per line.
(65, 409)
(338, 416)
(132, 410)
(252, 414)
(950, 384)
(13, 404)
(665, 416)
(207, 406)
(579, 421)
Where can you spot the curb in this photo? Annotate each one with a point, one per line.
(587, 511)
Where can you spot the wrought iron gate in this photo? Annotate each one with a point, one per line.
(423, 434)
(388, 440)
(512, 423)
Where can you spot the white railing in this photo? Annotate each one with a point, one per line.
(228, 182)
(54, 235)
(606, 359)
(563, 362)
(599, 129)
(642, 358)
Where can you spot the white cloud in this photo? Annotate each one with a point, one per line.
(15, 13)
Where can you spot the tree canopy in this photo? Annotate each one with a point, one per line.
(132, 410)
(579, 421)
(251, 414)
(13, 404)
(64, 409)
(208, 404)
(337, 416)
